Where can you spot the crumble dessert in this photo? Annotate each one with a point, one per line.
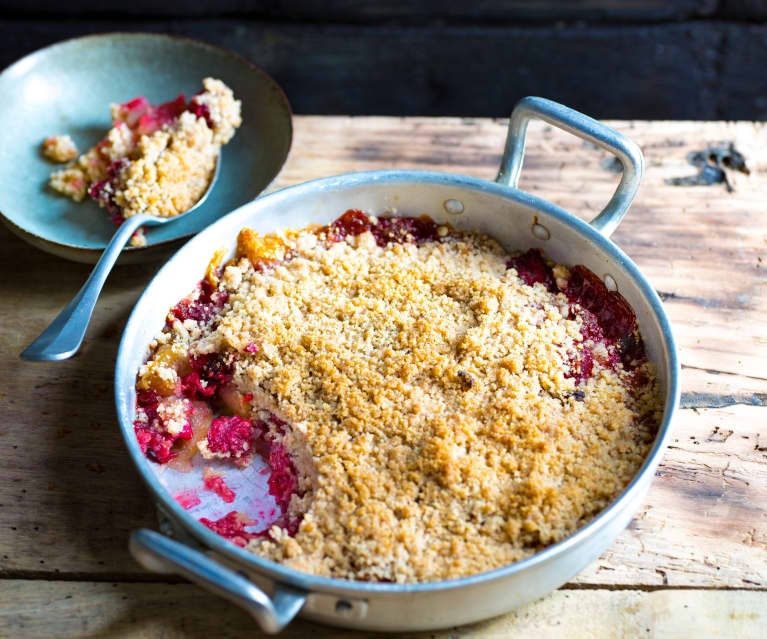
(60, 148)
(430, 405)
(156, 159)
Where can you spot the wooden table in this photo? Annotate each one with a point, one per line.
(694, 559)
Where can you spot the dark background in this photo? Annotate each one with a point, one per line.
(661, 59)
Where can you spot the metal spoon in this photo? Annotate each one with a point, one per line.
(65, 334)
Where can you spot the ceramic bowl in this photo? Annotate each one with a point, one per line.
(68, 87)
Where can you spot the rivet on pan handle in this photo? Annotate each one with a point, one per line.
(162, 554)
(584, 127)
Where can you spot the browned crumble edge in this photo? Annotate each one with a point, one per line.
(433, 422)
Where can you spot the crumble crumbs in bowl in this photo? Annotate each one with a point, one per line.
(60, 148)
(430, 405)
(156, 159)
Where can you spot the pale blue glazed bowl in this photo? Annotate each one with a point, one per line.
(68, 87)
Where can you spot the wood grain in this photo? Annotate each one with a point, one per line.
(668, 70)
(140, 611)
(401, 11)
(69, 496)
(704, 522)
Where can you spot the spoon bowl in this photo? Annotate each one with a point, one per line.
(65, 334)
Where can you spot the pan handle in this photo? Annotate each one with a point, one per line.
(159, 553)
(623, 148)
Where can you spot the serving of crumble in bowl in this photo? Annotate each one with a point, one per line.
(75, 168)
(392, 402)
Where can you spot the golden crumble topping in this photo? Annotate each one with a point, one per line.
(169, 172)
(433, 415)
(60, 148)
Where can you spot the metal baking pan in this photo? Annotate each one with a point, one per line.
(275, 594)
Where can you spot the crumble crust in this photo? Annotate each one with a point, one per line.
(169, 172)
(433, 422)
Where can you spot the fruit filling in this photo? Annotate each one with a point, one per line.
(428, 404)
(215, 483)
(608, 324)
(161, 423)
(232, 438)
(232, 527)
(156, 159)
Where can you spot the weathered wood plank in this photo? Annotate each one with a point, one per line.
(68, 491)
(704, 521)
(30, 609)
(364, 11)
(754, 10)
(69, 496)
(699, 383)
(741, 46)
(661, 71)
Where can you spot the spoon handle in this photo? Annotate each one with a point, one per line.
(65, 334)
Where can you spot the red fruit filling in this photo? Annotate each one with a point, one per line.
(532, 268)
(606, 316)
(235, 436)
(209, 372)
(104, 191)
(582, 362)
(232, 527)
(283, 480)
(146, 118)
(202, 306)
(283, 483)
(613, 312)
(214, 368)
(240, 438)
(132, 110)
(195, 388)
(215, 483)
(153, 436)
(188, 499)
(387, 230)
(612, 321)
(200, 110)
